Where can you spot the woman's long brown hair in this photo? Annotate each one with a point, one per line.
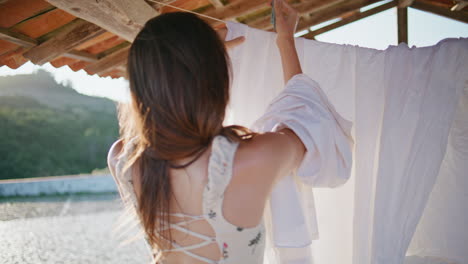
(179, 75)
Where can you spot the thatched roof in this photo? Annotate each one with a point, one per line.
(95, 35)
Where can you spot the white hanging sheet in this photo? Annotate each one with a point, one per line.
(402, 102)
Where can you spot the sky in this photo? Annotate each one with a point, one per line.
(377, 31)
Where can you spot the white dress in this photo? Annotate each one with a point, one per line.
(238, 245)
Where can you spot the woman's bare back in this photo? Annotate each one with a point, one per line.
(256, 165)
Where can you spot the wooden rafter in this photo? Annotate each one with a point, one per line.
(136, 11)
(113, 60)
(236, 8)
(27, 42)
(74, 34)
(460, 4)
(350, 19)
(17, 38)
(13, 58)
(315, 12)
(331, 12)
(80, 55)
(302, 7)
(461, 16)
(122, 17)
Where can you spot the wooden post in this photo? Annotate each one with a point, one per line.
(402, 14)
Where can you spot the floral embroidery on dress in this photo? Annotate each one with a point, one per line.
(225, 253)
(254, 242)
(212, 214)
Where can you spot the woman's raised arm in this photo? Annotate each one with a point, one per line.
(286, 23)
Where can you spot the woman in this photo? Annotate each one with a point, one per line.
(199, 188)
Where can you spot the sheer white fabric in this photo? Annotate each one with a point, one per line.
(304, 108)
(402, 102)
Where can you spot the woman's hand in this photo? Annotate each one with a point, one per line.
(286, 23)
(222, 32)
(286, 19)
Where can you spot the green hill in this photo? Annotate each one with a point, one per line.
(42, 87)
(50, 129)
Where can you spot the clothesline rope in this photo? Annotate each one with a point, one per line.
(185, 10)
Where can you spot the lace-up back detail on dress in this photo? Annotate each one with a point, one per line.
(235, 244)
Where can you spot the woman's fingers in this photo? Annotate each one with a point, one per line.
(286, 18)
(234, 42)
(288, 6)
(278, 8)
(222, 32)
(278, 5)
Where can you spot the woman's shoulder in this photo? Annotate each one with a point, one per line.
(268, 156)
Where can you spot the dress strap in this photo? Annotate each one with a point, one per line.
(219, 171)
(186, 250)
(180, 226)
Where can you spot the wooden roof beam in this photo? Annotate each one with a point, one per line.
(124, 18)
(13, 58)
(461, 16)
(73, 34)
(302, 7)
(350, 19)
(110, 61)
(80, 55)
(331, 12)
(17, 38)
(460, 4)
(27, 42)
(312, 12)
(236, 8)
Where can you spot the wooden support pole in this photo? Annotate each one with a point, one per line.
(402, 17)
(350, 19)
(73, 34)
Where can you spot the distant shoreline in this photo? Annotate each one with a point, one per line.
(53, 185)
(51, 178)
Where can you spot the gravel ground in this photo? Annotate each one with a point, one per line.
(66, 229)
